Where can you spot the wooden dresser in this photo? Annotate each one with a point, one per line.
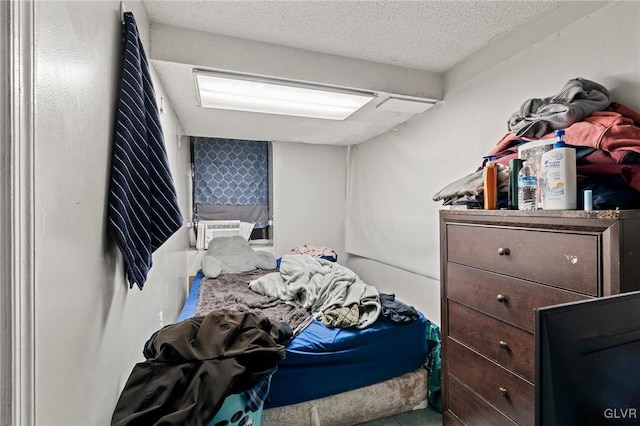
(496, 268)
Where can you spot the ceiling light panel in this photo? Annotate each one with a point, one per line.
(243, 93)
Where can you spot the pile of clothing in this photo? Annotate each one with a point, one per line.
(321, 252)
(192, 366)
(605, 134)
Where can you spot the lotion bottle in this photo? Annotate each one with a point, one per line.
(490, 174)
(559, 181)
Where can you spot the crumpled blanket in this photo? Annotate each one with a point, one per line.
(578, 99)
(232, 292)
(319, 284)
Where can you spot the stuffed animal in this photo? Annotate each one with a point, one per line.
(234, 255)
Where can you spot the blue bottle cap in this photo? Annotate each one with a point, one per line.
(560, 142)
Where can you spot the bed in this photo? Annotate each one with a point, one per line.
(328, 371)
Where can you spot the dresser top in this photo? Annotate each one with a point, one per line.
(566, 214)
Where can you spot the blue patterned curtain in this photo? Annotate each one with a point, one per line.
(231, 180)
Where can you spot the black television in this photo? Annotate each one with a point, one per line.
(587, 357)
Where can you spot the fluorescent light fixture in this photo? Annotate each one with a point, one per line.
(273, 96)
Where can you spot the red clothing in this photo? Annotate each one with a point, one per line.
(617, 128)
(611, 130)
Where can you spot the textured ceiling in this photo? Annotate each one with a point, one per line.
(427, 35)
(394, 48)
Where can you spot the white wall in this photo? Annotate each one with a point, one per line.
(392, 222)
(89, 326)
(309, 196)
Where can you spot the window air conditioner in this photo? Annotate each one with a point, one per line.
(210, 229)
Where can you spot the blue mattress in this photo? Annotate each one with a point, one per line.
(322, 361)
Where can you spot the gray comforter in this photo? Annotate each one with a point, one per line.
(231, 291)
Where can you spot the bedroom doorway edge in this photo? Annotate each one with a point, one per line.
(17, 366)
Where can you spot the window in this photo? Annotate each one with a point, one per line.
(231, 181)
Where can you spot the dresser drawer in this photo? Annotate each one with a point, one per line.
(509, 393)
(565, 260)
(509, 346)
(509, 299)
(472, 409)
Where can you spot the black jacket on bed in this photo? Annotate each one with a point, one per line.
(192, 366)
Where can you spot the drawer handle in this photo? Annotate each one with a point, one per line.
(501, 298)
(504, 251)
(503, 392)
(503, 345)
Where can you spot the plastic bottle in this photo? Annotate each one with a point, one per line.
(515, 165)
(490, 175)
(559, 183)
(527, 187)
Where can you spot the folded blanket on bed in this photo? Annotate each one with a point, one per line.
(318, 284)
(231, 291)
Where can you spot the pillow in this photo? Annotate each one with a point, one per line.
(234, 255)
